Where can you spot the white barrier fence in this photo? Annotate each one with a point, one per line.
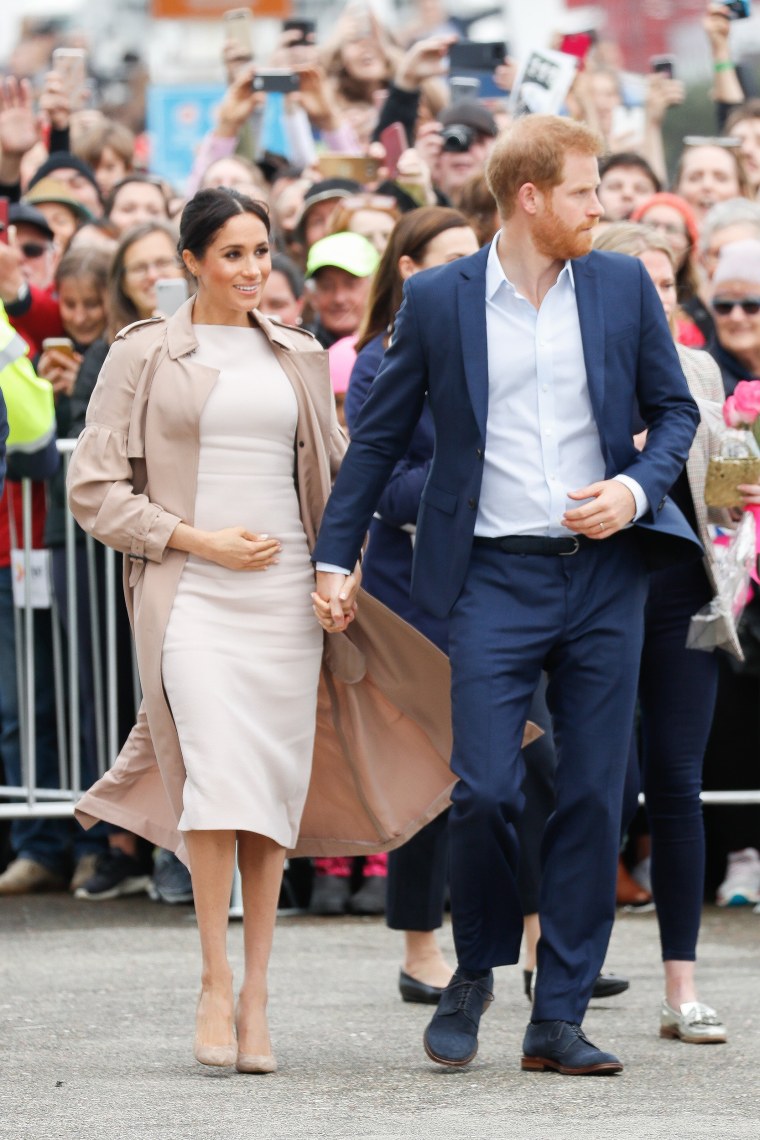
(28, 800)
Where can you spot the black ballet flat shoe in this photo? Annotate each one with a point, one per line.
(605, 986)
(420, 992)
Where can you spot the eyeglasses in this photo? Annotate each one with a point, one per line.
(143, 268)
(722, 306)
(32, 249)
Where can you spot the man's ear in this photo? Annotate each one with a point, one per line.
(530, 198)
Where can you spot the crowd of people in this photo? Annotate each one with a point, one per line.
(381, 176)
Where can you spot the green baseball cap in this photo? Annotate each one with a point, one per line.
(347, 251)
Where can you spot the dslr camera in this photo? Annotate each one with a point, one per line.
(457, 138)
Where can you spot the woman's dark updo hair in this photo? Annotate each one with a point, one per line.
(208, 210)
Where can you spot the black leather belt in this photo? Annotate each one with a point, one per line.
(534, 544)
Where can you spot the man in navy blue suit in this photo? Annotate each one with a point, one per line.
(539, 521)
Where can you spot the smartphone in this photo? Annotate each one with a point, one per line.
(737, 9)
(354, 166)
(475, 56)
(395, 143)
(663, 65)
(70, 64)
(59, 343)
(307, 30)
(4, 206)
(276, 79)
(464, 87)
(171, 292)
(728, 141)
(578, 44)
(239, 30)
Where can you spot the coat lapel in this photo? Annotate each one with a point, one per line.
(471, 298)
(588, 295)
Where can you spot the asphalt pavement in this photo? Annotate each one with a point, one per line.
(96, 1026)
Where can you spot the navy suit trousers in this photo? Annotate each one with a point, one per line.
(580, 617)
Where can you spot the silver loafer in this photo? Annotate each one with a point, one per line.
(692, 1022)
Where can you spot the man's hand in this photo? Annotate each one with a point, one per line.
(612, 508)
(335, 599)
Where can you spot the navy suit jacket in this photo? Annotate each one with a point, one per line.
(439, 349)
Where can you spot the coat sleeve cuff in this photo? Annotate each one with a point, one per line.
(642, 502)
(150, 542)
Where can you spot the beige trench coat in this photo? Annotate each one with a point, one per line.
(381, 756)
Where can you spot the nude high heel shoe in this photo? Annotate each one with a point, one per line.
(256, 1063)
(253, 1062)
(217, 1056)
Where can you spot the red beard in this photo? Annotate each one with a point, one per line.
(559, 241)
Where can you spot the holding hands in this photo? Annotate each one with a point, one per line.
(335, 599)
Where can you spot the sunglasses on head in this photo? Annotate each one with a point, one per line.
(33, 249)
(725, 305)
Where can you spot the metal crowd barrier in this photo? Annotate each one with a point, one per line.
(30, 801)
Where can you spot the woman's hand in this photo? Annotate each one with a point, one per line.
(233, 547)
(238, 104)
(236, 548)
(413, 176)
(750, 494)
(61, 369)
(335, 599)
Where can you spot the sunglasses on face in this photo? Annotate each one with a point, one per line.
(722, 306)
(32, 249)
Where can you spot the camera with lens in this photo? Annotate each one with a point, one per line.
(457, 138)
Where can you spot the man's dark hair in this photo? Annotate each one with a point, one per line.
(629, 158)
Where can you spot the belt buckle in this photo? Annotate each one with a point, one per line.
(576, 548)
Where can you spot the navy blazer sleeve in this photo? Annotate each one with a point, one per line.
(381, 436)
(664, 400)
(399, 503)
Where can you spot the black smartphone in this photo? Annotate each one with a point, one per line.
(276, 79)
(663, 65)
(475, 56)
(737, 9)
(307, 30)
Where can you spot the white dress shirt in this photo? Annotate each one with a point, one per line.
(541, 437)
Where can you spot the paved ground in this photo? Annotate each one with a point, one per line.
(96, 1016)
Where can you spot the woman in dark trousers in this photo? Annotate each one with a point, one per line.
(417, 872)
(677, 689)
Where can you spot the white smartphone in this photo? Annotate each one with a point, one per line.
(238, 27)
(70, 64)
(171, 292)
